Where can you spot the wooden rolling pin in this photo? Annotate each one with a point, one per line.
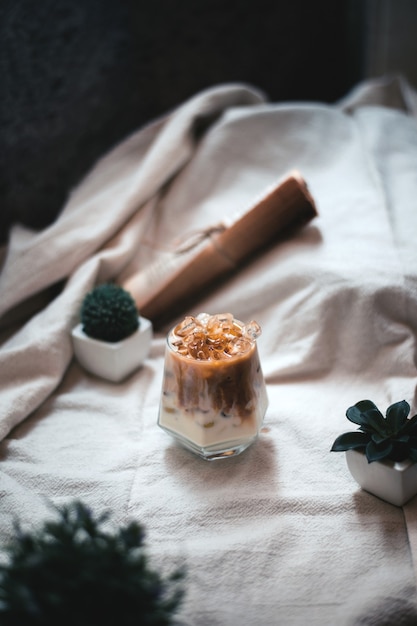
(178, 278)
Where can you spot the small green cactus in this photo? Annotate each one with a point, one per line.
(109, 313)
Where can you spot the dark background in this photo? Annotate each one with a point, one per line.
(77, 76)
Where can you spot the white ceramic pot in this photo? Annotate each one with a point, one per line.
(394, 482)
(113, 361)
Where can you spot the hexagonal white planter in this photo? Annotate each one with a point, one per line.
(113, 361)
(393, 482)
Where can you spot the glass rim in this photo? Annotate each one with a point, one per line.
(227, 359)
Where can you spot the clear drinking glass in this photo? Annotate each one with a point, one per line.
(213, 397)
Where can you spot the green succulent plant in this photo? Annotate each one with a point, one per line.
(391, 437)
(71, 572)
(109, 313)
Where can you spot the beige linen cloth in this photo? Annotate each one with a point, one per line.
(280, 534)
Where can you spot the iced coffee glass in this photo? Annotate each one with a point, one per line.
(213, 397)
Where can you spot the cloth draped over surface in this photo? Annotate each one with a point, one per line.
(279, 534)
